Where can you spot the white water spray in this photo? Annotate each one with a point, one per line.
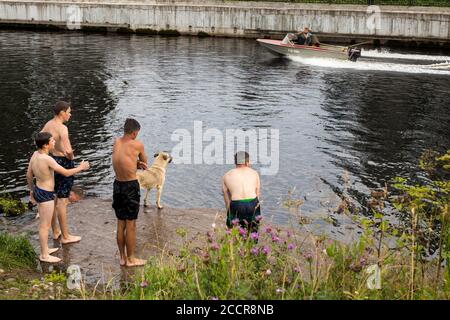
(390, 62)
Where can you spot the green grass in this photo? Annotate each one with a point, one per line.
(16, 252)
(228, 266)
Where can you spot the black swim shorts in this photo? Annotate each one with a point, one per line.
(41, 195)
(247, 211)
(126, 198)
(63, 184)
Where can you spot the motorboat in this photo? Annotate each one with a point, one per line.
(287, 47)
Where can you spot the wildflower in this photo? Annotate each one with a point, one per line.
(254, 251)
(245, 222)
(265, 250)
(254, 235)
(308, 256)
(235, 221)
(258, 218)
(275, 238)
(290, 246)
(288, 234)
(242, 231)
(144, 284)
(362, 262)
(297, 269)
(210, 236)
(214, 246)
(228, 231)
(279, 290)
(268, 230)
(213, 225)
(268, 272)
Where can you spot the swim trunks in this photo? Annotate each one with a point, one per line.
(41, 195)
(245, 209)
(63, 184)
(126, 198)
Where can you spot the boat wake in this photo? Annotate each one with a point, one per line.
(382, 61)
(403, 56)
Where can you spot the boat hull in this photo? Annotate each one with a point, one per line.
(324, 51)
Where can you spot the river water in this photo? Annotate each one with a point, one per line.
(372, 119)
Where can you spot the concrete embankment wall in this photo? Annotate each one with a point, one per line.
(239, 19)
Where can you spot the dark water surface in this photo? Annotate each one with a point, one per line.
(373, 123)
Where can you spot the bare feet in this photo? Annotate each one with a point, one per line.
(70, 239)
(123, 261)
(135, 262)
(56, 235)
(52, 250)
(49, 259)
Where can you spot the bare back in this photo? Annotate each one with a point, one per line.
(242, 183)
(124, 158)
(39, 164)
(60, 133)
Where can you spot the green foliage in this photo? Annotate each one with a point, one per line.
(55, 277)
(231, 265)
(11, 207)
(429, 3)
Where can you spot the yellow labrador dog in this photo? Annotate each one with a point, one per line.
(154, 176)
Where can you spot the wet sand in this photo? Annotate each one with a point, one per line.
(97, 253)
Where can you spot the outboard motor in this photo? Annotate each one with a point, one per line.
(353, 54)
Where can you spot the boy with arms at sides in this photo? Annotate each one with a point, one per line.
(128, 155)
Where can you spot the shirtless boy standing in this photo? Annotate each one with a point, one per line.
(42, 167)
(63, 155)
(241, 190)
(126, 195)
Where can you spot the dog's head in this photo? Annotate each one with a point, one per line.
(162, 158)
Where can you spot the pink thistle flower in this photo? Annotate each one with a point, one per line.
(308, 256)
(258, 218)
(254, 235)
(290, 246)
(265, 250)
(235, 222)
(214, 246)
(254, 251)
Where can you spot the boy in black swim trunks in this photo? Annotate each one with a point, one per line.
(42, 167)
(128, 155)
(63, 155)
(241, 190)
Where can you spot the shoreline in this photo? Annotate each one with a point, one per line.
(413, 27)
